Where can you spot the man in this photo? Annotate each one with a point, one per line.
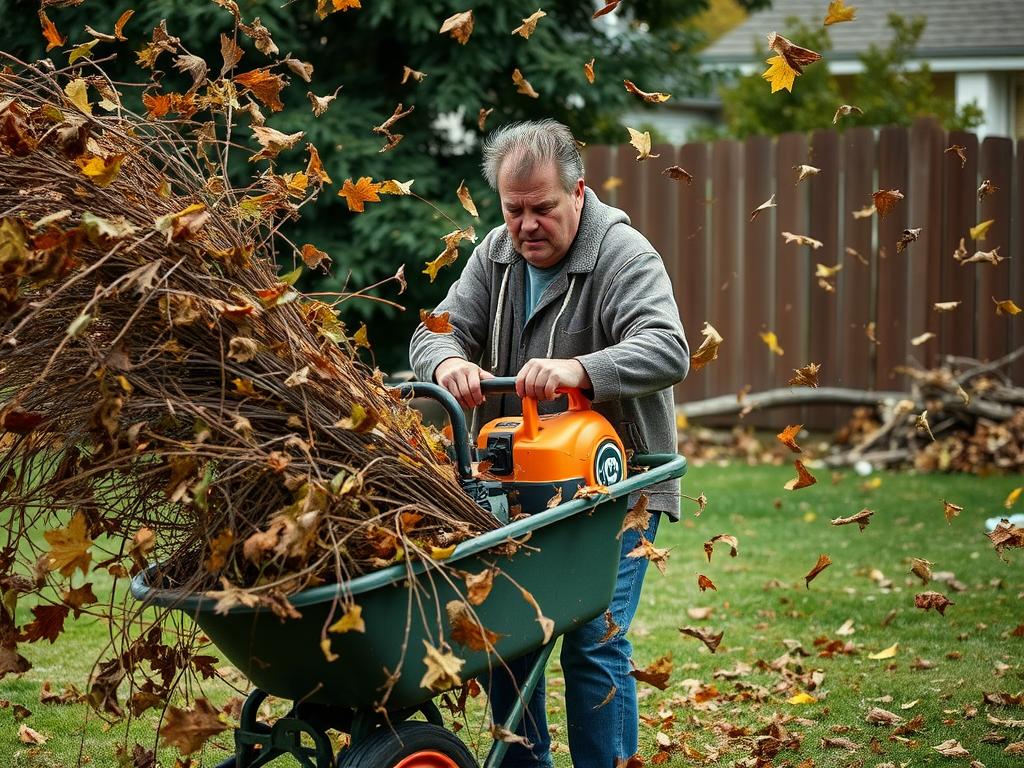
(567, 294)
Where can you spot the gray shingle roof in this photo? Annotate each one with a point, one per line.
(955, 27)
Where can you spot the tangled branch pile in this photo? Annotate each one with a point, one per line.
(165, 396)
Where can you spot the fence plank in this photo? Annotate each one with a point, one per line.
(662, 202)
(992, 331)
(1016, 193)
(792, 264)
(824, 342)
(598, 162)
(692, 269)
(891, 269)
(726, 300)
(857, 364)
(630, 192)
(759, 244)
(958, 282)
(925, 256)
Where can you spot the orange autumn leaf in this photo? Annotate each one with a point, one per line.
(312, 256)
(588, 71)
(467, 200)
(436, 323)
(314, 168)
(824, 561)
(54, 39)
(788, 437)
(523, 85)
(121, 21)
(1006, 306)
(803, 478)
(885, 200)
(363, 191)
(607, 8)
(705, 583)
(839, 11)
(459, 26)
(326, 7)
(654, 97)
(529, 24)
(264, 85)
(157, 104)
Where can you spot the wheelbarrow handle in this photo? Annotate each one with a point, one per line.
(460, 432)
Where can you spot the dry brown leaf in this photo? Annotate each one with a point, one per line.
(921, 568)
(906, 238)
(802, 240)
(709, 639)
(824, 561)
(466, 628)
(654, 97)
(946, 306)
(936, 600)
(547, 625)
(951, 748)
(806, 376)
(769, 203)
(991, 257)
(416, 75)
(467, 200)
(28, 735)
(523, 85)
(675, 173)
(642, 143)
(862, 519)
(478, 585)
(459, 26)
(885, 200)
(844, 110)
(611, 629)
(704, 583)
(482, 116)
(442, 669)
(919, 340)
(652, 553)
(951, 510)
(529, 24)
(803, 478)
(636, 519)
(864, 213)
(961, 152)
(803, 171)
(189, 729)
(384, 129)
(1006, 306)
(987, 188)
(319, 104)
(656, 673)
(725, 538)
(708, 350)
(607, 8)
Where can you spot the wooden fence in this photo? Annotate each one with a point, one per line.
(742, 278)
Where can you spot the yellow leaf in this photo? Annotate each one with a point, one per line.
(780, 74)
(69, 547)
(361, 338)
(529, 24)
(102, 170)
(351, 621)
(642, 143)
(839, 11)
(82, 51)
(78, 92)
(442, 669)
(772, 341)
(888, 653)
(396, 187)
(441, 553)
(978, 231)
(325, 648)
(1012, 498)
(802, 698)
(326, 7)
(467, 200)
(1006, 306)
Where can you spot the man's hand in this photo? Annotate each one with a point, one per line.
(541, 377)
(462, 378)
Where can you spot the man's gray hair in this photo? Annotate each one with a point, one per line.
(530, 143)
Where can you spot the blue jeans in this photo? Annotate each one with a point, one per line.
(597, 734)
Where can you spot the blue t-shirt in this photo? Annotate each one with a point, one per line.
(537, 281)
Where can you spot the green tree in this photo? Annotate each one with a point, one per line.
(364, 51)
(887, 90)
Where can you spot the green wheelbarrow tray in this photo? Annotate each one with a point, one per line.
(569, 564)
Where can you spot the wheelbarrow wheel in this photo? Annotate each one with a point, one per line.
(411, 744)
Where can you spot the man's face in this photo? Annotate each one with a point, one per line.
(541, 216)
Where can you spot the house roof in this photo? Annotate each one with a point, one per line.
(955, 29)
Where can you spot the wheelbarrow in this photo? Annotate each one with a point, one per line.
(282, 659)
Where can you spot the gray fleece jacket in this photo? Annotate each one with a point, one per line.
(612, 308)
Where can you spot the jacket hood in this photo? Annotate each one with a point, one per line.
(596, 219)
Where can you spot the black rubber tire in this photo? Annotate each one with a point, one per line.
(386, 746)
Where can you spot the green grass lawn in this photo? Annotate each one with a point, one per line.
(764, 609)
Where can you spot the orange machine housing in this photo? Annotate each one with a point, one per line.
(536, 455)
